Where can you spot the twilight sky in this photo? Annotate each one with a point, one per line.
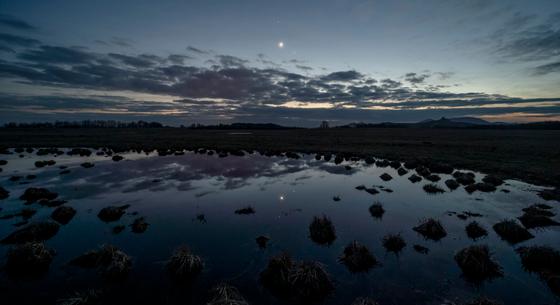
(287, 62)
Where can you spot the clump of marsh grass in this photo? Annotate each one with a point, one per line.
(364, 301)
(421, 249)
(87, 297)
(112, 213)
(493, 180)
(224, 294)
(87, 165)
(117, 158)
(376, 210)
(262, 241)
(536, 217)
(109, 261)
(372, 190)
(545, 261)
(539, 209)
(550, 194)
(357, 258)
(183, 265)
(540, 259)
(477, 264)
(38, 231)
(475, 231)
(432, 189)
(276, 275)
(385, 177)
(34, 194)
(245, 211)
(302, 281)
(28, 260)
(512, 232)
(484, 301)
(63, 214)
(322, 231)
(433, 178)
(414, 178)
(464, 178)
(310, 281)
(394, 243)
(431, 229)
(118, 229)
(139, 225)
(452, 184)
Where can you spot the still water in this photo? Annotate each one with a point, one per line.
(171, 191)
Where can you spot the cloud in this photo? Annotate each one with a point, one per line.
(230, 90)
(547, 68)
(208, 111)
(304, 68)
(178, 59)
(415, 78)
(529, 43)
(116, 41)
(57, 55)
(197, 50)
(15, 40)
(15, 23)
(342, 76)
(122, 42)
(228, 78)
(135, 61)
(231, 61)
(444, 75)
(6, 49)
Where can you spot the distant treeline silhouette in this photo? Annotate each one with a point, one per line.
(240, 126)
(86, 124)
(138, 124)
(442, 123)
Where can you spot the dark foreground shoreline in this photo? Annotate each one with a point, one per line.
(529, 155)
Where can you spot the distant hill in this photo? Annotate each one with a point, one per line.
(452, 123)
(464, 120)
(460, 122)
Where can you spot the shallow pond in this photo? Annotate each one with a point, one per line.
(171, 192)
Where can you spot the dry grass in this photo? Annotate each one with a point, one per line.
(475, 231)
(322, 231)
(28, 260)
(394, 243)
(299, 281)
(183, 265)
(477, 264)
(432, 189)
(110, 262)
(512, 232)
(224, 294)
(376, 210)
(357, 258)
(431, 229)
(88, 297)
(38, 231)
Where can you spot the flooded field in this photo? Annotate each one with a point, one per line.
(236, 212)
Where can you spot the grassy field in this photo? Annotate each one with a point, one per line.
(528, 155)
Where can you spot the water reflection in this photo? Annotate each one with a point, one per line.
(190, 200)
